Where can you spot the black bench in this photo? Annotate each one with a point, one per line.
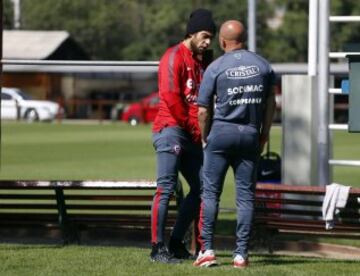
(297, 210)
(74, 206)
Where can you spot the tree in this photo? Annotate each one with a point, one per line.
(8, 14)
(122, 29)
(95, 24)
(289, 43)
(341, 34)
(142, 30)
(161, 24)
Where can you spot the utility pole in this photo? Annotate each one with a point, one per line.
(252, 25)
(313, 37)
(17, 13)
(323, 95)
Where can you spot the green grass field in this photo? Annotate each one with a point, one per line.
(76, 152)
(116, 151)
(64, 151)
(86, 260)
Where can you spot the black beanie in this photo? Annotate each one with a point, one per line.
(201, 20)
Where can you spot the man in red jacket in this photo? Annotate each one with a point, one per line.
(176, 135)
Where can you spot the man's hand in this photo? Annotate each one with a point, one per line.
(204, 143)
(204, 117)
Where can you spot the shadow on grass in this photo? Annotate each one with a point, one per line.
(272, 260)
(280, 260)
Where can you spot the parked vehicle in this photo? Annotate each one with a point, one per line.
(16, 104)
(146, 109)
(143, 111)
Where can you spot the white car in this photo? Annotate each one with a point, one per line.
(15, 104)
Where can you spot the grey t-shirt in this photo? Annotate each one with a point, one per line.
(241, 81)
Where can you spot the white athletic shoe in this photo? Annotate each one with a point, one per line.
(206, 259)
(240, 262)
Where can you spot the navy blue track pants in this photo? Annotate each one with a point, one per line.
(175, 153)
(238, 147)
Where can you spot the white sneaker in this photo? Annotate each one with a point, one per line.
(240, 262)
(206, 259)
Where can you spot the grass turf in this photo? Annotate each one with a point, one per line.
(117, 151)
(97, 260)
(120, 152)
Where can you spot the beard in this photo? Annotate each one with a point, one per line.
(195, 49)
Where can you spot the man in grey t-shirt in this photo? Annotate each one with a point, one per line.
(236, 104)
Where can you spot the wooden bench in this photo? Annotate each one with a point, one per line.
(74, 206)
(297, 210)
